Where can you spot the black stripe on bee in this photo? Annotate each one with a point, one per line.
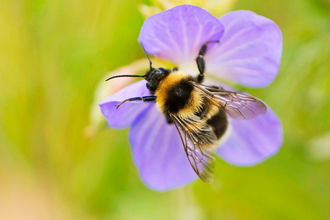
(178, 96)
(219, 123)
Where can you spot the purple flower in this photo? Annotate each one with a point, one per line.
(249, 53)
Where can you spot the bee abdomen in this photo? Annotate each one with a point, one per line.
(219, 123)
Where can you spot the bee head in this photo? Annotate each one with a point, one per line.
(154, 76)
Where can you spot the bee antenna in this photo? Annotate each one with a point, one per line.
(145, 52)
(125, 76)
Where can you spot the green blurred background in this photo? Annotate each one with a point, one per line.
(53, 53)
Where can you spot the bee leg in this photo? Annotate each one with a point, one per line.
(175, 69)
(218, 87)
(201, 62)
(168, 119)
(144, 99)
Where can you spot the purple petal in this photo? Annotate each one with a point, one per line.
(249, 52)
(177, 34)
(126, 114)
(158, 152)
(252, 141)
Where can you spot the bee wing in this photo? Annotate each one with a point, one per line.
(238, 106)
(195, 140)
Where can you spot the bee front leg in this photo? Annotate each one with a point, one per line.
(201, 62)
(144, 99)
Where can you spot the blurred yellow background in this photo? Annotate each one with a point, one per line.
(53, 55)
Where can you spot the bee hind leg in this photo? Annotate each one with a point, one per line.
(144, 99)
(201, 62)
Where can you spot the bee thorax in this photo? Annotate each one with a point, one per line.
(176, 95)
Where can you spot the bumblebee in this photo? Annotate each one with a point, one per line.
(199, 112)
